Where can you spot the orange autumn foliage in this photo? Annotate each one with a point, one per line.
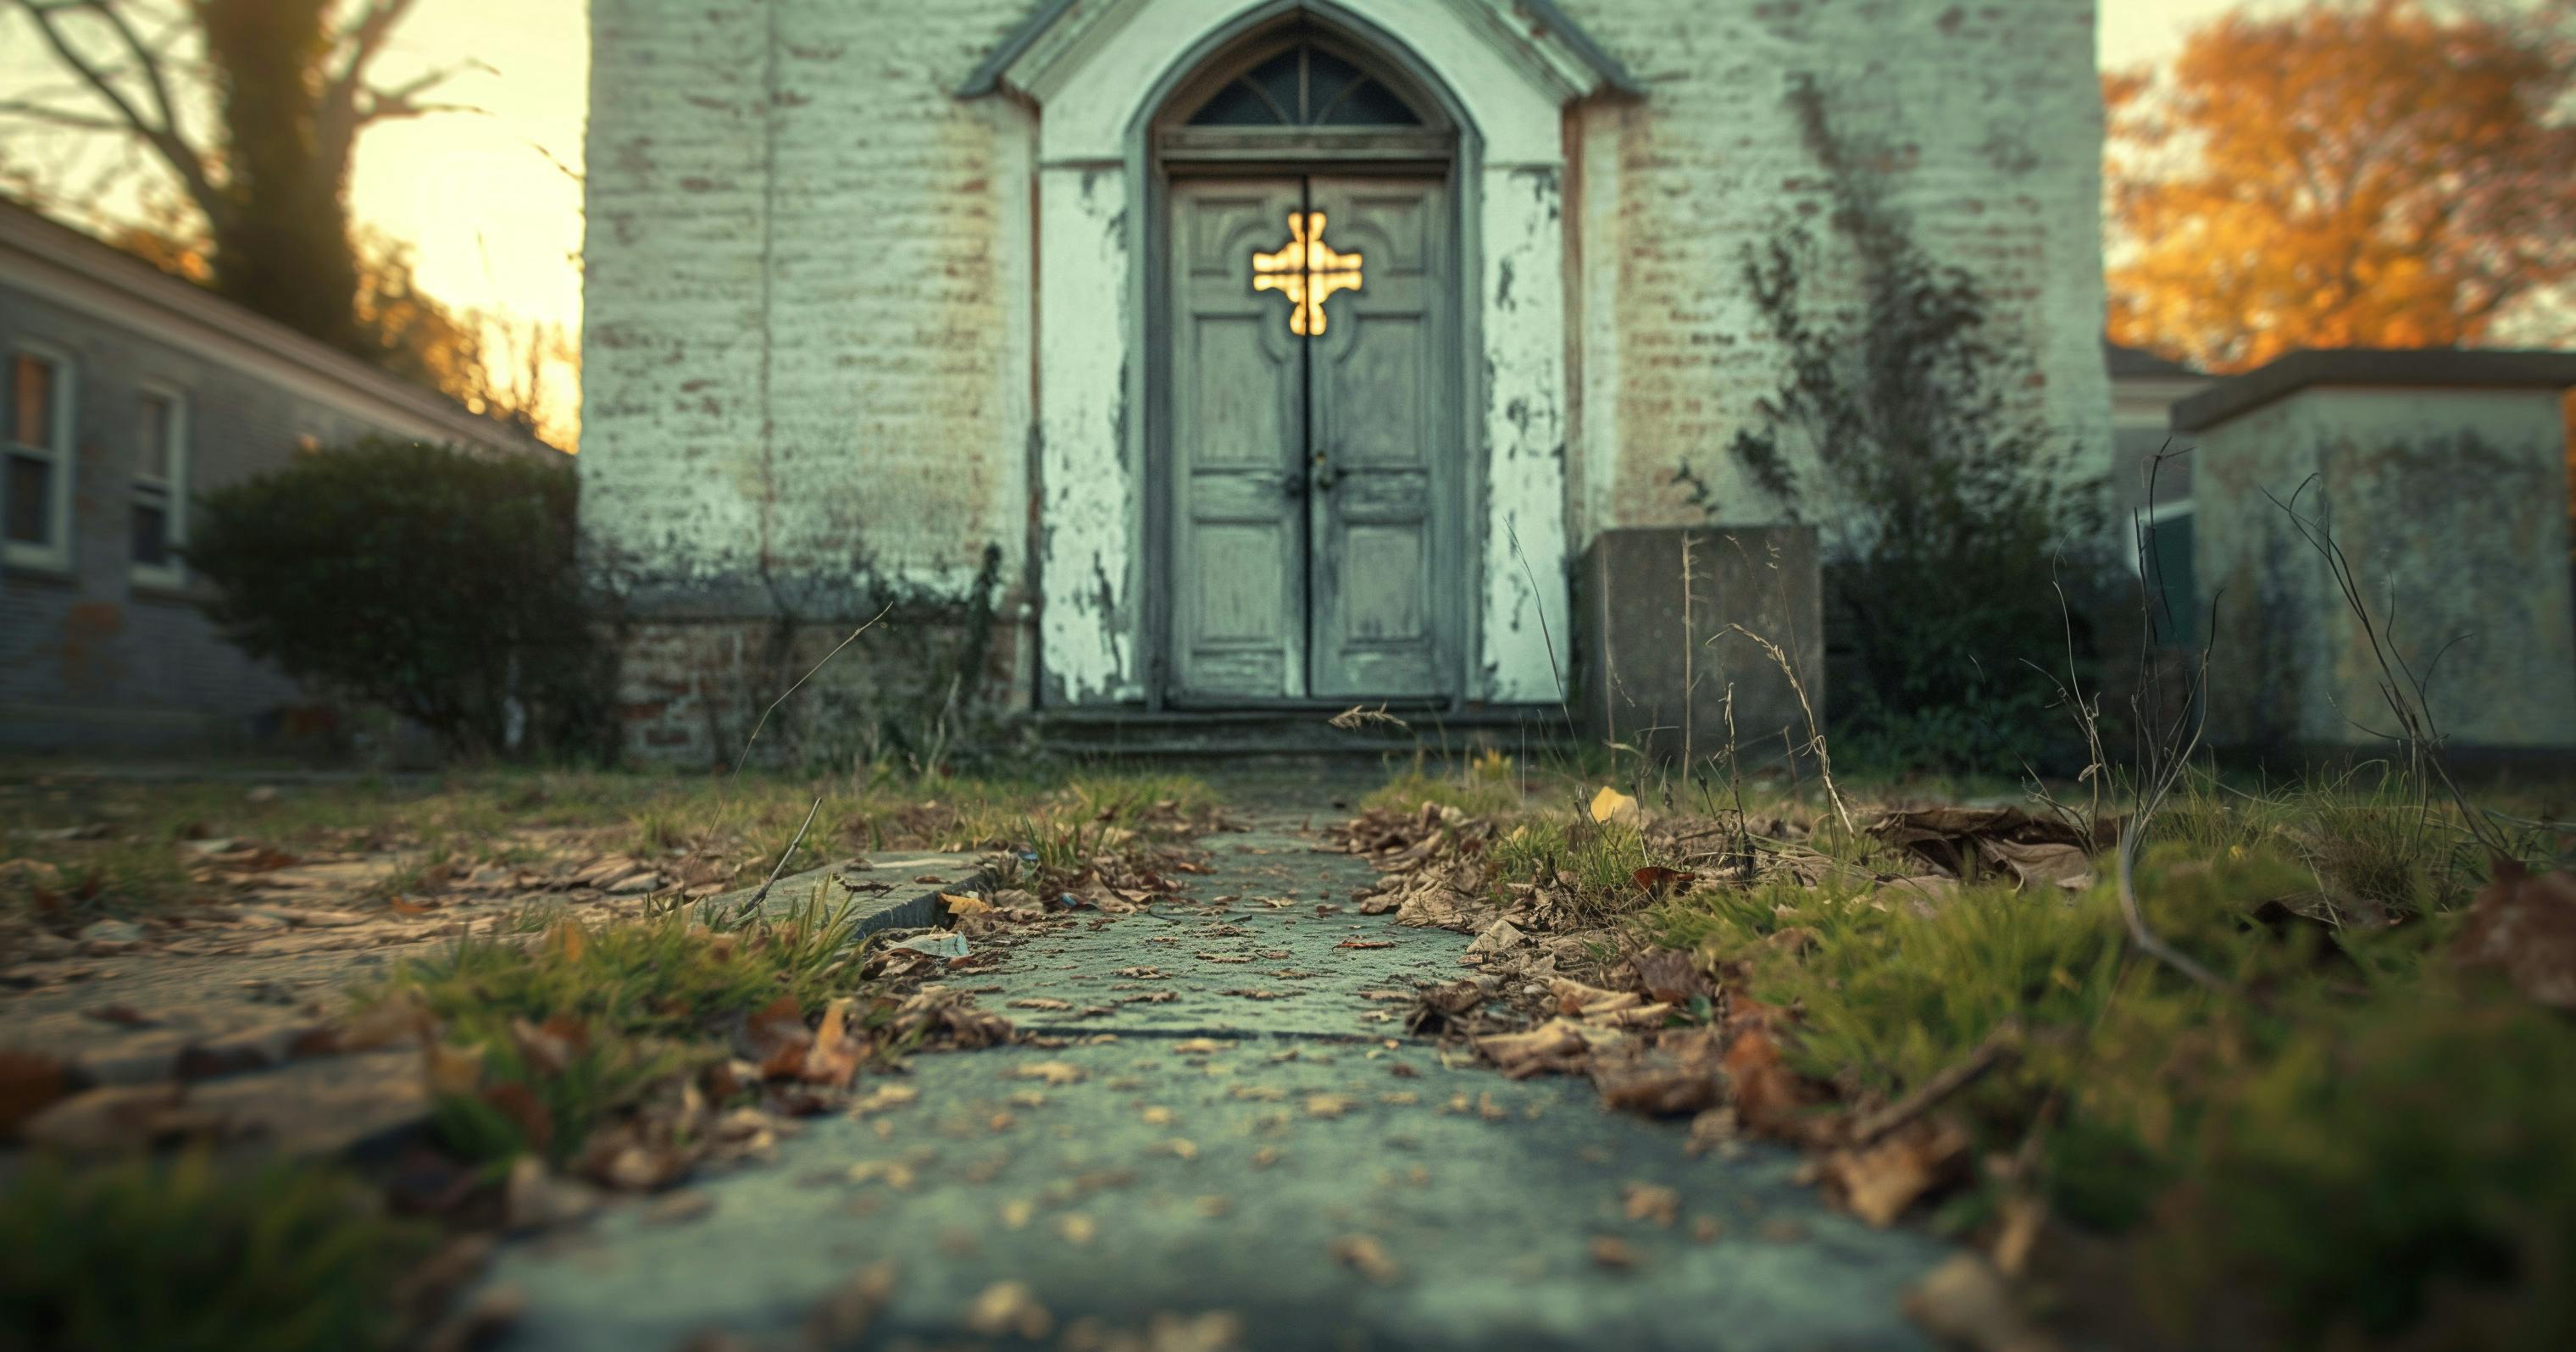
(2355, 173)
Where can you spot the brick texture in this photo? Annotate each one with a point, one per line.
(809, 286)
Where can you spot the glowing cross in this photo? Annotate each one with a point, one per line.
(1306, 271)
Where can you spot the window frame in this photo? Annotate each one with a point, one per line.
(173, 487)
(56, 554)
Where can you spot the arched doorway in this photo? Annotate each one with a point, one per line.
(1303, 347)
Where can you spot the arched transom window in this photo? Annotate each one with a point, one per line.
(1305, 86)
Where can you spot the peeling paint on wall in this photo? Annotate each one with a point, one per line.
(1525, 579)
(1092, 505)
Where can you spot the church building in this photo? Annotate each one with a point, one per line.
(1174, 359)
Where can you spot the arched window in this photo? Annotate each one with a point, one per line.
(1301, 91)
(1305, 86)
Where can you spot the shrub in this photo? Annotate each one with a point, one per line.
(438, 582)
(192, 1255)
(1950, 515)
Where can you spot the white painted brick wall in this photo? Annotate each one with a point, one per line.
(802, 316)
(2001, 107)
(810, 289)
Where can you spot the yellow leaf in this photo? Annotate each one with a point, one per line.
(1610, 805)
(958, 905)
(455, 1070)
(567, 939)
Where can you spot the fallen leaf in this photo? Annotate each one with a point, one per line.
(1650, 1202)
(1076, 1228)
(1041, 1002)
(2524, 925)
(1610, 805)
(1008, 1308)
(1328, 1105)
(1364, 1255)
(1964, 1301)
(837, 1050)
(843, 1316)
(1656, 880)
(29, 1084)
(1199, 1046)
(1670, 977)
(1610, 1251)
(958, 905)
(1880, 1182)
(776, 1037)
(1365, 943)
(1053, 1072)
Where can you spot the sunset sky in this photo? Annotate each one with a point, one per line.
(490, 199)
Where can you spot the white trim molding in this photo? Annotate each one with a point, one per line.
(1097, 70)
(61, 452)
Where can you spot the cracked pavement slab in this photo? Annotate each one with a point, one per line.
(1297, 1162)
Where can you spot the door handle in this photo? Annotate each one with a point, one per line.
(1325, 478)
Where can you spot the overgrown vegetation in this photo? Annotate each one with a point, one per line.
(2354, 1138)
(440, 583)
(188, 1254)
(1903, 432)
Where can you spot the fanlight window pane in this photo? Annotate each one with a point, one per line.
(1308, 87)
(1371, 104)
(1279, 79)
(1238, 105)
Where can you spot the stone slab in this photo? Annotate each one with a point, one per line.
(1658, 656)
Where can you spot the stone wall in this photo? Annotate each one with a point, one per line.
(2449, 502)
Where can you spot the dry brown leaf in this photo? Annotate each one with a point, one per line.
(1053, 1072)
(1655, 879)
(2045, 864)
(1964, 1302)
(1364, 1255)
(1880, 1182)
(1006, 1309)
(1670, 977)
(961, 905)
(2524, 925)
(1612, 1252)
(29, 1084)
(1651, 1202)
(838, 1049)
(776, 1037)
(843, 1316)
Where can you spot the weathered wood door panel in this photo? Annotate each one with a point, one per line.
(1379, 413)
(1308, 554)
(1238, 566)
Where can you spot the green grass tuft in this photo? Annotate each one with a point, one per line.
(186, 1255)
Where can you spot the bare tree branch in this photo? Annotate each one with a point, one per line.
(163, 134)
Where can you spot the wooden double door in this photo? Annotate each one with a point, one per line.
(1310, 550)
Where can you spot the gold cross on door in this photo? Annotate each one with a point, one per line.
(1306, 271)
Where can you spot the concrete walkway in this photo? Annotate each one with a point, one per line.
(1237, 1123)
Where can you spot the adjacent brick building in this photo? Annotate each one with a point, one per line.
(986, 309)
(128, 392)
